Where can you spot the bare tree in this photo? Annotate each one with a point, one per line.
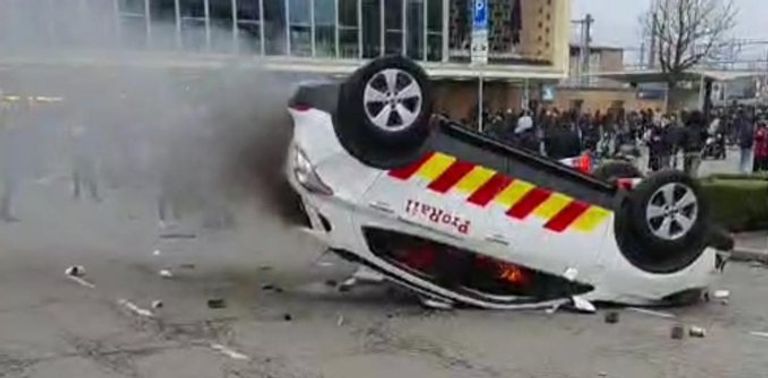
(688, 32)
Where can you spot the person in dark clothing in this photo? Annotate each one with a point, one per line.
(693, 142)
(658, 147)
(746, 133)
(525, 134)
(562, 141)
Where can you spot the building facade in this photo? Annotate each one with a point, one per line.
(528, 39)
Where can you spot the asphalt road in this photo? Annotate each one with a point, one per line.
(105, 325)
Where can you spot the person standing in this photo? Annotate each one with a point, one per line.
(694, 138)
(746, 133)
(658, 148)
(761, 148)
(84, 163)
(525, 134)
(10, 162)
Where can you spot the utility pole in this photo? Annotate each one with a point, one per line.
(585, 28)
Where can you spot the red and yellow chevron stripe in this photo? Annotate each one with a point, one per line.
(483, 186)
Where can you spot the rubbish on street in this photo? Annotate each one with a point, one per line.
(82, 282)
(188, 266)
(724, 302)
(157, 304)
(695, 331)
(331, 283)
(583, 305)
(266, 287)
(435, 304)
(660, 314)
(165, 273)
(340, 320)
(135, 309)
(76, 271)
(265, 268)
(348, 284)
(156, 252)
(287, 317)
(612, 317)
(678, 331)
(217, 303)
(721, 294)
(759, 334)
(235, 355)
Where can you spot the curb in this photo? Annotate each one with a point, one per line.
(749, 254)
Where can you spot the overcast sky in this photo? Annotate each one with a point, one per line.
(620, 28)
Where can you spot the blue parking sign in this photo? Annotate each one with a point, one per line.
(480, 11)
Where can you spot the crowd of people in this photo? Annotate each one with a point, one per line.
(672, 140)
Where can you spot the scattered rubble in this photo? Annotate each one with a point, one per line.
(165, 273)
(721, 294)
(660, 314)
(217, 303)
(75, 271)
(612, 317)
(696, 331)
(677, 332)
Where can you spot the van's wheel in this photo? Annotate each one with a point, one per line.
(383, 114)
(614, 170)
(663, 226)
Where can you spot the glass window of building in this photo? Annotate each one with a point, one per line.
(249, 26)
(192, 24)
(393, 16)
(348, 29)
(300, 27)
(132, 23)
(372, 28)
(434, 30)
(325, 28)
(162, 14)
(274, 27)
(460, 27)
(414, 29)
(221, 25)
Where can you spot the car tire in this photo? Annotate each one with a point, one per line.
(384, 111)
(662, 225)
(614, 170)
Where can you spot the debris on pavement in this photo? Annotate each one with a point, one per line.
(340, 320)
(331, 283)
(188, 266)
(612, 317)
(157, 304)
(348, 284)
(75, 271)
(677, 332)
(759, 334)
(436, 304)
(165, 273)
(135, 309)
(177, 235)
(660, 314)
(233, 354)
(583, 305)
(267, 287)
(602, 374)
(721, 294)
(287, 317)
(217, 303)
(156, 252)
(265, 268)
(695, 331)
(82, 282)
